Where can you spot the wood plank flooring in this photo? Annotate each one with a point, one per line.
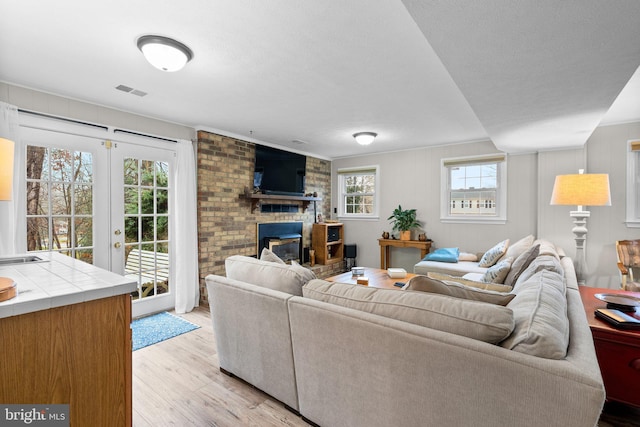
(178, 382)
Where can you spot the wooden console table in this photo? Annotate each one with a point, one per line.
(386, 244)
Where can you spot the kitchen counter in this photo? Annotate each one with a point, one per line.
(66, 339)
(58, 280)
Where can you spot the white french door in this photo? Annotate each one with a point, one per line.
(140, 248)
(104, 202)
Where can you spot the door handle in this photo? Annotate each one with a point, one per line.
(117, 232)
(117, 245)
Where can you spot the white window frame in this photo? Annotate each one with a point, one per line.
(501, 192)
(362, 170)
(633, 184)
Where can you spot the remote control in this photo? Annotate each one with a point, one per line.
(398, 284)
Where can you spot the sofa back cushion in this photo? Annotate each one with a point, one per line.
(479, 320)
(540, 313)
(457, 290)
(272, 275)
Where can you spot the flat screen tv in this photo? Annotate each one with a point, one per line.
(279, 172)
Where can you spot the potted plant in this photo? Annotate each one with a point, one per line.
(403, 221)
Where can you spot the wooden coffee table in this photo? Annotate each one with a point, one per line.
(378, 278)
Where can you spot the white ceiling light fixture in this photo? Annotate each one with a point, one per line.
(365, 138)
(164, 53)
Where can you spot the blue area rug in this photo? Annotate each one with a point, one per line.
(158, 327)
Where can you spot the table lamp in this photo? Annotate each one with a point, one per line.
(581, 189)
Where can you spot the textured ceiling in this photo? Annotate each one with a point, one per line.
(527, 74)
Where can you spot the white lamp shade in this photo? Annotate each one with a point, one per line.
(164, 53)
(365, 138)
(589, 189)
(6, 168)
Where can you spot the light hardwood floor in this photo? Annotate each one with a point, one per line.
(178, 383)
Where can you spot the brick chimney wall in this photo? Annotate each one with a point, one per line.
(226, 225)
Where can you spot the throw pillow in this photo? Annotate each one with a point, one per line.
(478, 320)
(471, 283)
(267, 255)
(494, 254)
(443, 255)
(516, 249)
(456, 290)
(520, 264)
(547, 248)
(466, 256)
(498, 272)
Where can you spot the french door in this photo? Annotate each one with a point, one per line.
(104, 202)
(140, 245)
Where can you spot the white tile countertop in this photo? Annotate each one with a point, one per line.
(56, 281)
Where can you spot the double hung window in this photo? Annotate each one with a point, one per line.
(358, 192)
(474, 189)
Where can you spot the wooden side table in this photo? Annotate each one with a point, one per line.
(386, 244)
(618, 350)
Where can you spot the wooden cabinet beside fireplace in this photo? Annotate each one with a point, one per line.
(327, 240)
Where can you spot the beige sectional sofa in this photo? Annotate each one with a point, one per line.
(349, 355)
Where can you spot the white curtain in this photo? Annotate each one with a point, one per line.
(9, 129)
(185, 230)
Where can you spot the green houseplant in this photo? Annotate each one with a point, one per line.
(403, 220)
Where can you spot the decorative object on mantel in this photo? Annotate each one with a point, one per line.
(581, 189)
(385, 234)
(422, 237)
(404, 220)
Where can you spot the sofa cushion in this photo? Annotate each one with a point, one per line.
(494, 254)
(547, 248)
(520, 264)
(540, 312)
(272, 275)
(473, 283)
(454, 268)
(443, 255)
(486, 322)
(516, 249)
(498, 272)
(456, 290)
(540, 263)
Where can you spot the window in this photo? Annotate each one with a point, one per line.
(358, 192)
(474, 189)
(60, 201)
(633, 184)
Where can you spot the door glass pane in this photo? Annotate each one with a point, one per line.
(147, 225)
(60, 201)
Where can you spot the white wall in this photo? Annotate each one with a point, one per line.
(412, 179)
(32, 100)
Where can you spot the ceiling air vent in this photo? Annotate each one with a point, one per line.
(131, 90)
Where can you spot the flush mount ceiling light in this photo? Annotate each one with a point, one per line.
(365, 138)
(164, 53)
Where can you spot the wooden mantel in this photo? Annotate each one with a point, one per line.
(256, 198)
